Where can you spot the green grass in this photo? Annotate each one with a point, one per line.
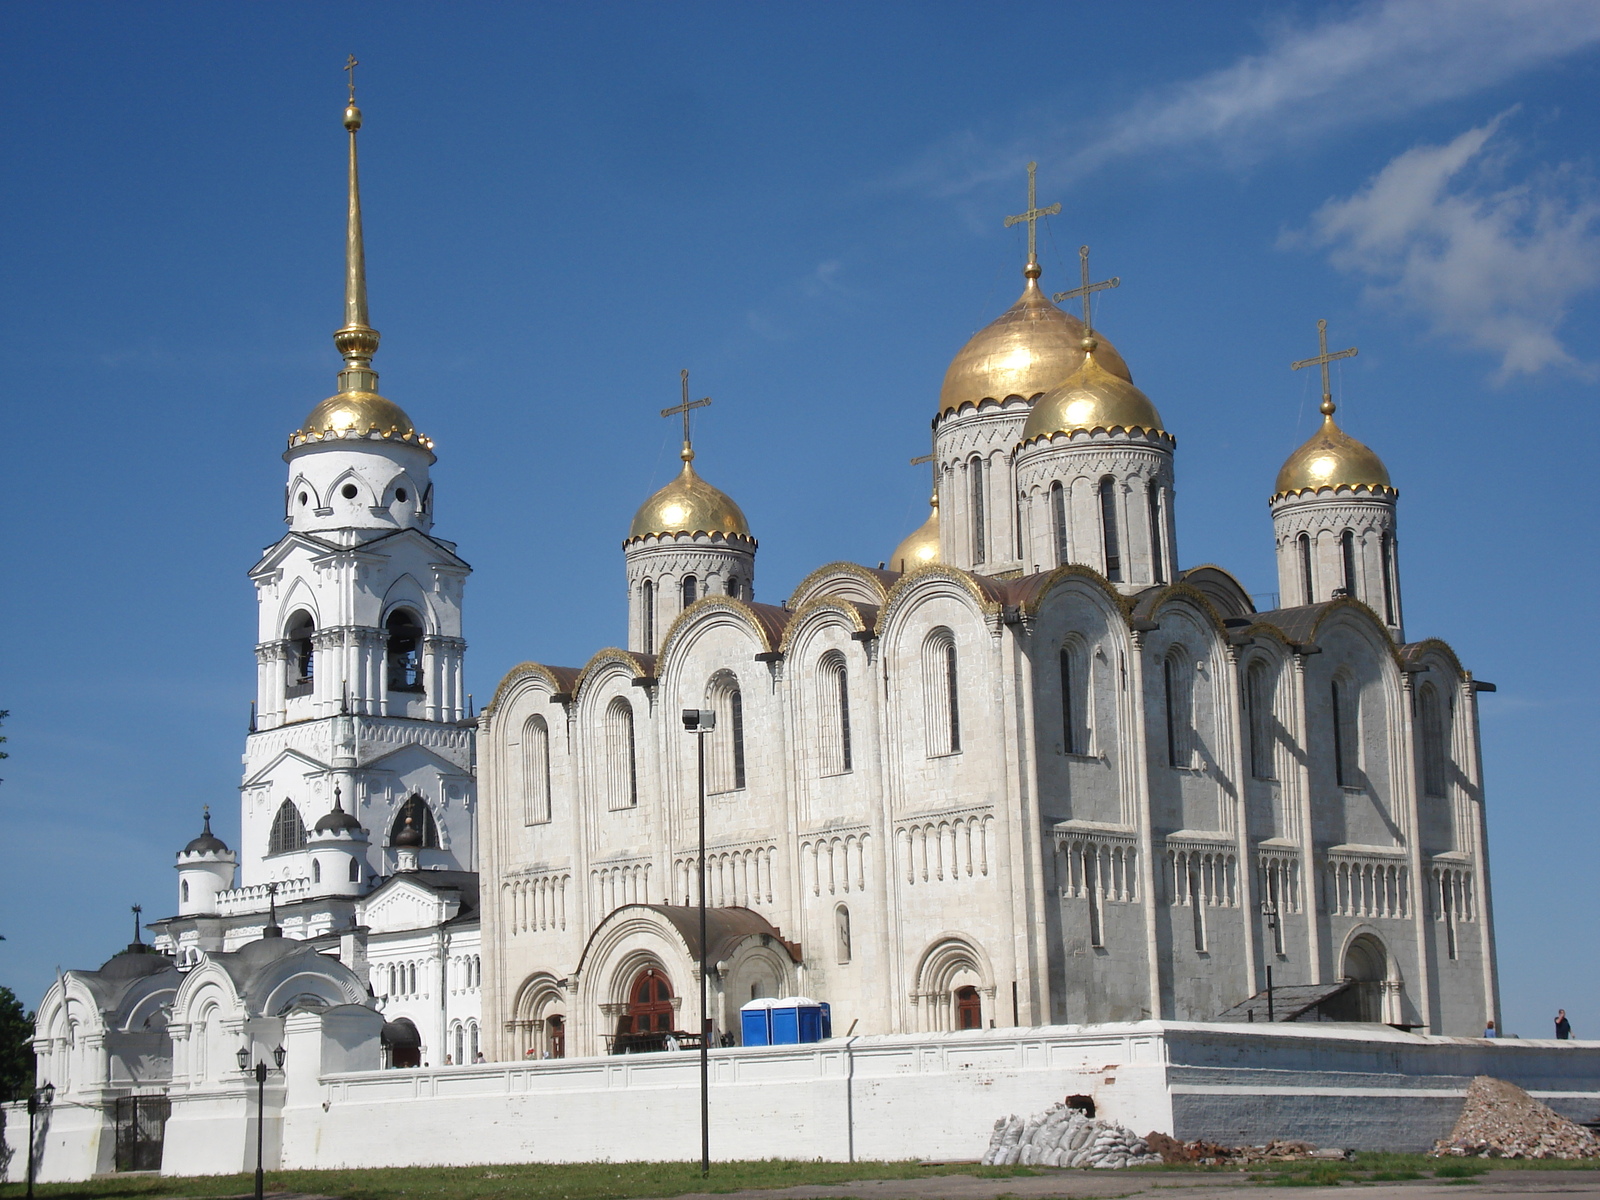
(570, 1181)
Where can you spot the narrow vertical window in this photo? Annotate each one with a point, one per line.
(1176, 683)
(288, 830)
(1308, 595)
(1346, 733)
(1091, 886)
(733, 587)
(1258, 721)
(300, 664)
(622, 767)
(1431, 718)
(844, 716)
(1158, 556)
(647, 616)
(1108, 529)
(355, 870)
(833, 714)
(535, 771)
(736, 709)
(1058, 523)
(725, 763)
(1347, 550)
(1197, 907)
(941, 712)
(1169, 688)
(404, 651)
(841, 927)
(979, 535)
(691, 590)
(1389, 613)
(1074, 700)
(316, 870)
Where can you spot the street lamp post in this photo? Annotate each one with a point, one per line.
(260, 1073)
(1269, 910)
(38, 1098)
(701, 721)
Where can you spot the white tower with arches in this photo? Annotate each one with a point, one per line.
(360, 719)
(1334, 516)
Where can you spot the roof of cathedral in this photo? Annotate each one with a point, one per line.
(207, 842)
(1030, 348)
(921, 545)
(1331, 459)
(1092, 397)
(689, 505)
(337, 820)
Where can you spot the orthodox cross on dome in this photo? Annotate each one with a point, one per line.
(138, 936)
(1087, 289)
(1322, 360)
(1032, 216)
(350, 65)
(926, 458)
(685, 408)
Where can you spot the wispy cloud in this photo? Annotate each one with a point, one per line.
(1377, 60)
(1438, 233)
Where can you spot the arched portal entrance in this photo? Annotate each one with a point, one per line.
(649, 1015)
(402, 1043)
(1366, 963)
(555, 1035)
(969, 1008)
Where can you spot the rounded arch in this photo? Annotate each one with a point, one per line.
(1374, 978)
(725, 760)
(303, 496)
(539, 1016)
(351, 488)
(417, 811)
(951, 963)
(403, 649)
(402, 1043)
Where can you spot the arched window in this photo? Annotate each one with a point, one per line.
(556, 1036)
(316, 870)
(1347, 551)
(649, 1004)
(969, 1008)
(979, 533)
(735, 588)
(1108, 529)
(1058, 523)
(841, 934)
(183, 891)
(1430, 714)
(288, 830)
(833, 713)
(725, 754)
(404, 652)
(1258, 720)
(647, 615)
(535, 771)
(472, 1040)
(391, 990)
(1346, 733)
(421, 816)
(1074, 699)
(691, 590)
(300, 663)
(1178, 689)
(461, 1043)
(941, 693)
(622, 767)
(355, 870)
(1308, 596)
(1158, 554)
(1390, 608)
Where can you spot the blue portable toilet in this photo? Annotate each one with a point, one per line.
(795, 1020)
(755, 1022)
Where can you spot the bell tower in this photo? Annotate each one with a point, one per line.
(359, 703)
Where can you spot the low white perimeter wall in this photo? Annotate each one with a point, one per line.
(926, 1096)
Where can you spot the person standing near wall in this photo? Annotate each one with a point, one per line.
(1563, 1026)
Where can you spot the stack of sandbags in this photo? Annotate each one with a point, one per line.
(1500, 1120)
(1064, 1137)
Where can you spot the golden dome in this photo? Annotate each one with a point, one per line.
(689, 505)
(1093, 398)
(1331, 459)
(361, 413)
(1025, 351)
(922, 547)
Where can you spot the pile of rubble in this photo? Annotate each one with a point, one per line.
(1201, 1153)
(1500, 1120)
(1065, 1137)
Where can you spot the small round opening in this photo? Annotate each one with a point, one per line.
(348, 491)
(302, 499)
(400, 495)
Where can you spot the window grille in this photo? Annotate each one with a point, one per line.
(535, 771)
(288, 830)
(1108, 529)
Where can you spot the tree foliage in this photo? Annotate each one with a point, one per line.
(16, 1047)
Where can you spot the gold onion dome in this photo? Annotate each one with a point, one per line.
(1093, 397)
(360, 413)
(689, 505)
(922, 546)
(1331, 459)
(1025, 351)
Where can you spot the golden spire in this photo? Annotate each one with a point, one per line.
(357, 341)
(1032, 216)
(1331, 459)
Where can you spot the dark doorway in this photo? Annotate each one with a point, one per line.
(969, 1008)
(141, 1128)
(402, 1043)
(556, 1036)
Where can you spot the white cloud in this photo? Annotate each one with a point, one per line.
(1378, 59)
(1437, 233)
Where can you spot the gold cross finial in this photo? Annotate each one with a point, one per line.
(1088, 289)
(1322, 360)
(684, 408)
(1032, 216)
(350, 65)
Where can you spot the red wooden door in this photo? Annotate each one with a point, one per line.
(649, 1003)
(969, 1009)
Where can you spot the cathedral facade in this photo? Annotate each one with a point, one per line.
(1034, 773)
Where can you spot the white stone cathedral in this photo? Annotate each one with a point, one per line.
(1035, 773)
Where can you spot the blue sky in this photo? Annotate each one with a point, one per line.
(803, 204)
